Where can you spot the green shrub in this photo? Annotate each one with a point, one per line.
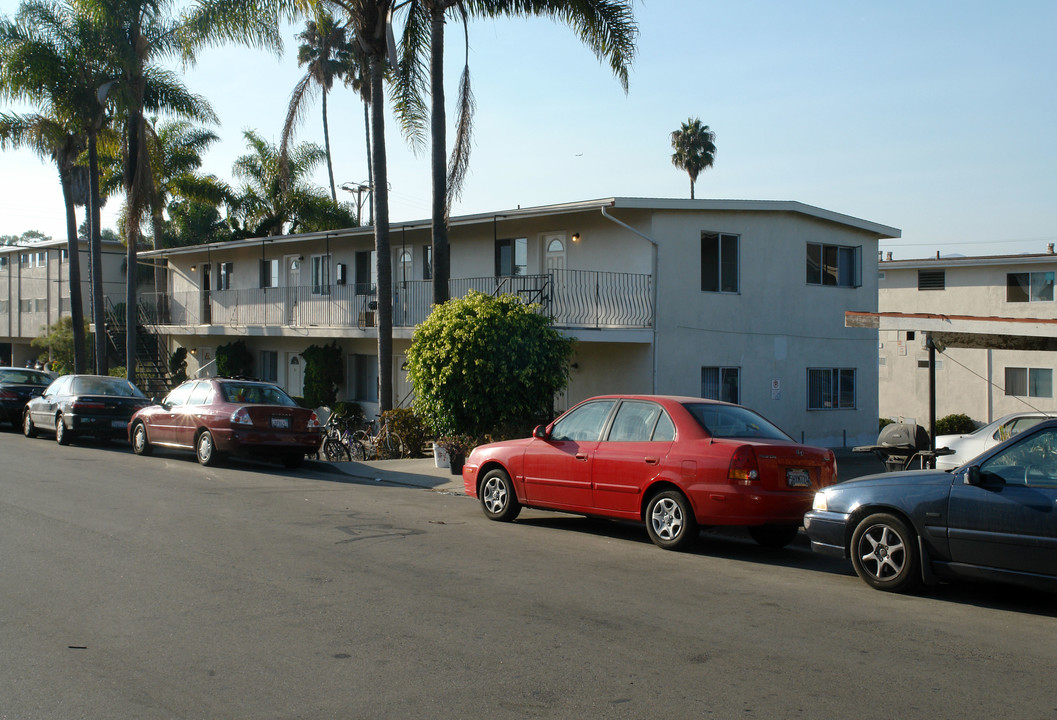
(234, 360)
(956, 424)
(881, 422)
(409, 426)
(483, 364)
(323, 374)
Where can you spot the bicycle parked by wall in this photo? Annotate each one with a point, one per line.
(339, 440)
(383, 444)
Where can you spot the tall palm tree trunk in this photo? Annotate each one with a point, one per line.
(441, 266)
(326, 143)
(370, 165)
(74, 271)
(102, 366)
(381, 241)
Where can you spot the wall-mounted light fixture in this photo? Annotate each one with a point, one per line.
(194, 351)
(301, 258)
(576, 237)
(193, 268)
(575, 366)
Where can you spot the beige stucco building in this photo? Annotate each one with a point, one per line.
(999, 297)
(35, 290)
(739, 300)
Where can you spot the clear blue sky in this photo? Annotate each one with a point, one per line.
(936, 118)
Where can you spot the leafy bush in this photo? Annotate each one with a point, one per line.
(409, 426)
(956, 424)
(178, 366)
(234, 360)
(881, 422)
(323, 374)
(483, 364)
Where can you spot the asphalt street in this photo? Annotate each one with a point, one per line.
(155, 588)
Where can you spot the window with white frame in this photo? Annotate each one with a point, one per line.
(721, 383)
(269, 365)
(224, 272)
(1029, 287)
(719, 262)
(321, 274)
(270, 273)
(511, 257)
(831, 388)
(363, 377)
(1029, 382)
(834, 265)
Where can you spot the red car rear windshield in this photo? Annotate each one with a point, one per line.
(252, 394)
(733, 421)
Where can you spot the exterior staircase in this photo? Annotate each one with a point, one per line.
(152, 364)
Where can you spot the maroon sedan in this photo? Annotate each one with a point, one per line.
(675, 463)
(217, 416)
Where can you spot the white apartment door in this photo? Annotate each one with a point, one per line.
(554, 252)
(554, 265)
(292, 271)
(295, 375)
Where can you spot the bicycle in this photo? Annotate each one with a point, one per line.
(384, 445)
(339, 441)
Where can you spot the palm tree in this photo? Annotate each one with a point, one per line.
(606, 26)
(370, 21)
(695, 149)
(50, 56)
(324, 50)
(141, 32)
(267, 205)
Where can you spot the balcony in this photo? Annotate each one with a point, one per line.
(572, 298)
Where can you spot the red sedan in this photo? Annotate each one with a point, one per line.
(217, 416)
(675, 463)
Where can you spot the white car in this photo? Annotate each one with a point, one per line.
(966, 447)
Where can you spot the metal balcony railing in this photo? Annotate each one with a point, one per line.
(572, 298)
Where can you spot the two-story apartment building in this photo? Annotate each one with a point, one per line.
(35, 290)
(994, 297)
(733, 299)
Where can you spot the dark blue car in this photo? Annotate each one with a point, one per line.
(993, 518)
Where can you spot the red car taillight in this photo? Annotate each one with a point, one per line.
(7, 395)
(830, 468)
(241, 417)
(313, 422)
(80, 406)
(743, 467)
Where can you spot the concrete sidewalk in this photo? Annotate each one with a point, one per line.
(423, 473)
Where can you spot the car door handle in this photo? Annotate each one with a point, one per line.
(653, 461)
(581, 456)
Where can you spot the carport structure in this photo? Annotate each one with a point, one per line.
(961, 331)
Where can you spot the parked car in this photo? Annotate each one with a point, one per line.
(17, 386)
(968, 446)
(992, 519)
(675, 463)
(217, 416)
(78, 405)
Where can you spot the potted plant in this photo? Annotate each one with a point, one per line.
(455, 447)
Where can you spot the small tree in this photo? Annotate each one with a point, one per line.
(323, 374)
(485, 364)
(956, 424)
(57, 345)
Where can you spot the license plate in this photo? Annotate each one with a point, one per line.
(797, 478)
(118, 424)
(281, 423)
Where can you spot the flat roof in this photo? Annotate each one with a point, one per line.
(628, 203)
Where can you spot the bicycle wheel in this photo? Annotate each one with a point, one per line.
(391, 446)
(334, 450)
(357, 450)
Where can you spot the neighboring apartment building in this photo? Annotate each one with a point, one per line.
(736, 300)
(35, 291)
(984, 384)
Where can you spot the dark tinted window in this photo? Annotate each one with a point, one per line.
(734, 422)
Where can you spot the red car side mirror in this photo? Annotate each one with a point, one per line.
(541, 432)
